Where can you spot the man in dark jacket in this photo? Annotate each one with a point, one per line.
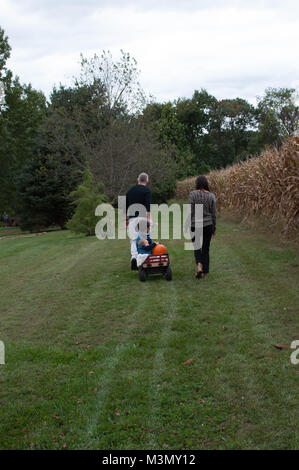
(142, 195)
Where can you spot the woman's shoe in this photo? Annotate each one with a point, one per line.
(198, 274)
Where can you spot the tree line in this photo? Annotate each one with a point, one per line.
(92, 138)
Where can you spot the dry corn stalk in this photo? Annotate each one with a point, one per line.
(267, 186)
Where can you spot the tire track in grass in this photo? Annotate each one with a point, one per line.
(159, 366)
(96, 409)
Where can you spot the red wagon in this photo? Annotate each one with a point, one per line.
(155, 264)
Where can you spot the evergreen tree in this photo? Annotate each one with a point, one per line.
(86, 198)
(44, 189)
(22, 111)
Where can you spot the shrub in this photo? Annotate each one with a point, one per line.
(86, 198)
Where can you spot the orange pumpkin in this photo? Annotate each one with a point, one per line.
(159, 249)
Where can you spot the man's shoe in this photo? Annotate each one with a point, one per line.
(134, 264)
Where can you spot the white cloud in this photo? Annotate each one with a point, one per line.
(233, 50)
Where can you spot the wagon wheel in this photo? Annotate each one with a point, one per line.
(142, 275)
(168, 274)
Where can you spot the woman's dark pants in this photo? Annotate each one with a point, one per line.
(202, 255)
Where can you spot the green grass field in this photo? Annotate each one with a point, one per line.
(9, 231)
(95, 358)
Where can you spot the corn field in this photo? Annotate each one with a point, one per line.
(266, 186)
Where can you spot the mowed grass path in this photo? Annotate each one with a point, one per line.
(95, 358)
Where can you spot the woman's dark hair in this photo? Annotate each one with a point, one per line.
(202, 183)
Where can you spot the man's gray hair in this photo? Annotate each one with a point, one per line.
(143, 178)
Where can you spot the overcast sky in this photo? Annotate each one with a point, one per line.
(230, 47)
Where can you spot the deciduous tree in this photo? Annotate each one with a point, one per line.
(278, 115)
